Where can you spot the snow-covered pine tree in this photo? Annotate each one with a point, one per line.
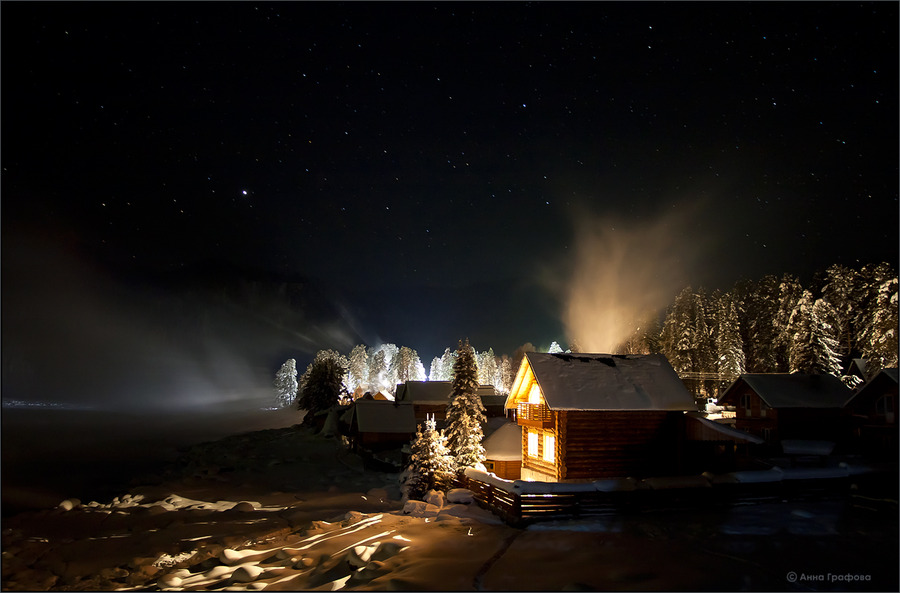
(729, 348)
(486, 363)
(434, 373)
(447, 361)
(878, 341)
(465, 412)
(826, 338)
(322, 389)
(430, 466)
(377, 367)
(789, 293)
(555, 348)
(503, 378)
(286, 383)
(757, 303)
(358, 368)
(838, 290)
(677, 339)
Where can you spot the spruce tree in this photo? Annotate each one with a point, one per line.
(322, 389)
(430, 465)
(286, 385)
(465, 412)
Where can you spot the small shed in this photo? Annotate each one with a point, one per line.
(591, 416)
(872, 412)
(378, 424)
(503, 451)
(782, 406)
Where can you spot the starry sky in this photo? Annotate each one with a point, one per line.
(404, 154)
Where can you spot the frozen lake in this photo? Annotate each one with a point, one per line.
(50, 454)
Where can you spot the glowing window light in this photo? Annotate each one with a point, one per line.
(534, 396)
(532, 444)
(549, 448)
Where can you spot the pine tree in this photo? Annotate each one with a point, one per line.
(825, 338)
(555, 348)
(377, 368)
(838, 290)
(878, 336)
(486, 363)
(430, 465)
(729, 347)
(504, 377)
(358, 368)
(322, 389)
(789, 294)
(465, 412)
(447, 361)
(286, 385)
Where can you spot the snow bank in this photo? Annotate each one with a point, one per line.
(814, 473)
(460, 496)
(749, 477)
(675, 482)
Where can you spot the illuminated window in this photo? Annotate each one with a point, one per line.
(549, 451)
(532, 444)
(534, 396)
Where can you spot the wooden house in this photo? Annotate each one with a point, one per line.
(378, 425)
(503, 451)
(782, 406)
(431, 398)
(872, 414)
(590, 416)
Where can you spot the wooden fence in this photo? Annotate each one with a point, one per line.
(519, 508)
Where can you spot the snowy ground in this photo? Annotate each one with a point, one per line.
(283, 509)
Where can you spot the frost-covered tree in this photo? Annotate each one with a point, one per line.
(377, 369)
(286, 383)
(789, 294)
(838, 291)
(757, 305)
(678, 332)
(555, 348)
(339, 359)
(409, 366)
(813, 347)
(503, 378)
(357, 368)
(465, 412)
(729, 346)
(878, 336)
(486, 363)
(430, 465)
(434, 374)
(322, 389)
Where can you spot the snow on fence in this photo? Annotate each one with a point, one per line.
(518, 501)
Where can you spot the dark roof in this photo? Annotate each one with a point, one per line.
(792, 390)
(879, 382)
(383, 416)
(710, 430)
(609, 382)
(434, 391)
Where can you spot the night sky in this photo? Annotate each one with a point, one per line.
(428, 163)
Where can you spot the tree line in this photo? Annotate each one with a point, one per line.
(777, 325)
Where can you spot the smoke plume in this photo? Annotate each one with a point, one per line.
(624, 273)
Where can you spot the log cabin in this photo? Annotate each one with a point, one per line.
(780, 406)
(377, 425)
(872, 412)
(591, 416)
(430, 398)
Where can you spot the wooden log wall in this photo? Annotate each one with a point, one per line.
(618, 443)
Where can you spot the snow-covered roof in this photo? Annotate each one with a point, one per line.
(436, 392)
(792, 390)
(505, 444)
(380, 416)
(721, 431)
(609, 382)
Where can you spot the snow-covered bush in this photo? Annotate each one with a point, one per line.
(430, 465)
